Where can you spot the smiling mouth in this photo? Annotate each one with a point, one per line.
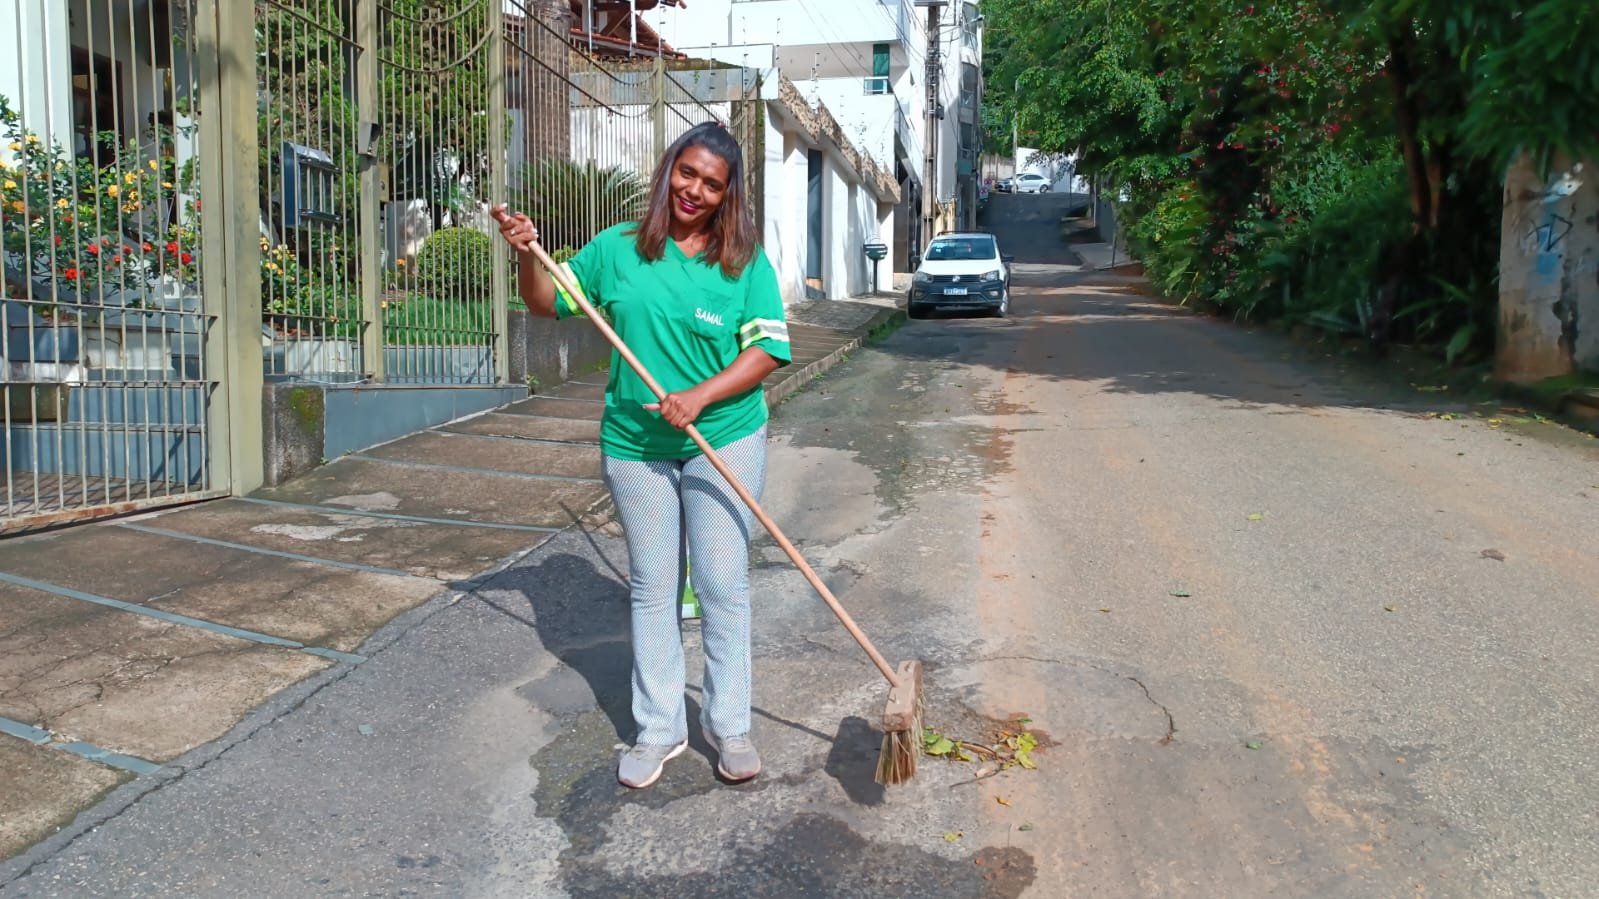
(687, 207)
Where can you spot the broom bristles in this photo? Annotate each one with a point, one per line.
(902, 726)
(896, 763)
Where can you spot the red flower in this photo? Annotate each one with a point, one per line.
(117, 259)
(1334, 128)
(58, 240)
(172, 247)
(127, 249)
(146, 247)
(71, 274)
(93, 249)
(186, 258)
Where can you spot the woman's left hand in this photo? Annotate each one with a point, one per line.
(679, 409)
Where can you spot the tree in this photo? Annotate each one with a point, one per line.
(1272, 148)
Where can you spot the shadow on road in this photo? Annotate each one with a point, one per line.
(581, 616)
(580, 611)
(1110, 329)
(852, 761)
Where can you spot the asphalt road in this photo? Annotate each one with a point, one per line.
(1237, 592)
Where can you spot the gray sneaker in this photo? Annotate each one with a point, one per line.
(642, 765)
(736, 758)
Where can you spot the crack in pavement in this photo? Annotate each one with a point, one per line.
(1171, 720)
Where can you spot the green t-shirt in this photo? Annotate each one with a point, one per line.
(685, 321)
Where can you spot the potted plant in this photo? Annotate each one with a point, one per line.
(85, 248)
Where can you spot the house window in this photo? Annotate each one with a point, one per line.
(879, 83)
(96, 86)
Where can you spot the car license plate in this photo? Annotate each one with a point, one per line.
(954, 291)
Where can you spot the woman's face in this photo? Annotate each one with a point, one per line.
(698, 186)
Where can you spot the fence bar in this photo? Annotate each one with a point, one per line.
(107, 304)
(370, 246)
(500, 281)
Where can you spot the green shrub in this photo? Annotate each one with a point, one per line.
(457, 263)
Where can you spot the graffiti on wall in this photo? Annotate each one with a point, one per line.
(1541, 228)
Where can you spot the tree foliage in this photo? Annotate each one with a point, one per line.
(1336, 161)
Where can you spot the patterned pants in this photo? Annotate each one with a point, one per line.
(663, 506)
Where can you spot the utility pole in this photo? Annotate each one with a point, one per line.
(935, 67)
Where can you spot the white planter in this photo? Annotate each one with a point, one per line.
(138, 349)
(311, 357)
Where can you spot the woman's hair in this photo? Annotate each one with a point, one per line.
(732, 226)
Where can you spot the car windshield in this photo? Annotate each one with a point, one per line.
(962, 248)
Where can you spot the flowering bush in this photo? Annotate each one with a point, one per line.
(87, 228)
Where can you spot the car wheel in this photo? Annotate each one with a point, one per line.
(916, 310)
(1003, 308)
(1043, 188)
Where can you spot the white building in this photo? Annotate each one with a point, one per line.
(869, 63)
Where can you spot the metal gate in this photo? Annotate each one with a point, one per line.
(108, 392)
(345, 210)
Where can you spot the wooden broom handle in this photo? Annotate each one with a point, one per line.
(717, 463)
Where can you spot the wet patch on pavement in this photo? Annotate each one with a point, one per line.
(817, 855)
(921, 424)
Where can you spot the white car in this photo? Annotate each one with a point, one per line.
(1030, 183)
(961, 270)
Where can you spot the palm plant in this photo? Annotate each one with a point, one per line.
(572, 201)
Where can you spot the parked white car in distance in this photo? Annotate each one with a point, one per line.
(961, 270)
(1030, 183)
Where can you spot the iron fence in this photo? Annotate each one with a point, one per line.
(108, 388)
(442, 155)
(384, 130)
(587, 134)
(314, 320)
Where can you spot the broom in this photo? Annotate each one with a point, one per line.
(902, 713)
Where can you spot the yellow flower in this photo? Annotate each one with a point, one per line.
(167, 185)
(33, 138)
(16, 147)
(129, 178)
(153, 165)
(113, 190)
(62, 203)
(11, 185)
(17, 205)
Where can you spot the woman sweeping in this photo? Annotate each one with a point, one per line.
(690, 291)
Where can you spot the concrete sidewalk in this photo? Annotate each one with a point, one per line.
(127, 647)
(1099, 256)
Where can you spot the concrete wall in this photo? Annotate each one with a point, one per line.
(304, 425)
(852, 214)
(552, 351)
(785, 209)
(868, 119)
(1549, 272)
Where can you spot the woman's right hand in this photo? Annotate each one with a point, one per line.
(516, 228)
(533, 284)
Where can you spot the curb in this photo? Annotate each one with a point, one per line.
(797, 379)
